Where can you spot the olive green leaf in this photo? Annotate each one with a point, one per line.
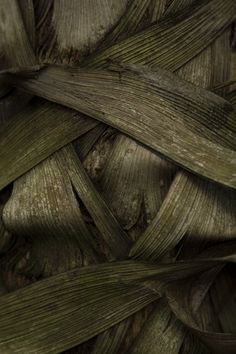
(189, 125)
(76, 28)
(136, 172)
(173, 219)
(35, 133)
(162, 333)
(84, 143)
(91, 298)
(113, 234)
(110, 340)
(162, 44)
(44, 209)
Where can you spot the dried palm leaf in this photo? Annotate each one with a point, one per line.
(64, 213)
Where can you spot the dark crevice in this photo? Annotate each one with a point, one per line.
(104, 253)
(84, 211)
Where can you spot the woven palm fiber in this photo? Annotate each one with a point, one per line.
(118, 176)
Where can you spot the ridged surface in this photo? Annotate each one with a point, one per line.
(27, 11)
(191, 140)
(129, 21)
(77, 27)
(52, 218)
(149, 47)
(117, 240)
(14, 40)
(136, 172)
(162, 333)
(44, 121)
(114, 283)
(57, 212)
(173, 219)
(16, 50)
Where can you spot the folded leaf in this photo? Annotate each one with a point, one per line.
(214, 221)
(43, 208)
(161, 334)
(110, 340)
(182, 302)
(173, 219)
(84, 144)
(27, 11)
(162, 44)
(128, 23)
(135, 180)
(91, 298)
(16, 50)
(35, 134)
(133, 176)
(117, 240)
(15, 44)
(191, 126)
(77, 27)
(217, 342)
